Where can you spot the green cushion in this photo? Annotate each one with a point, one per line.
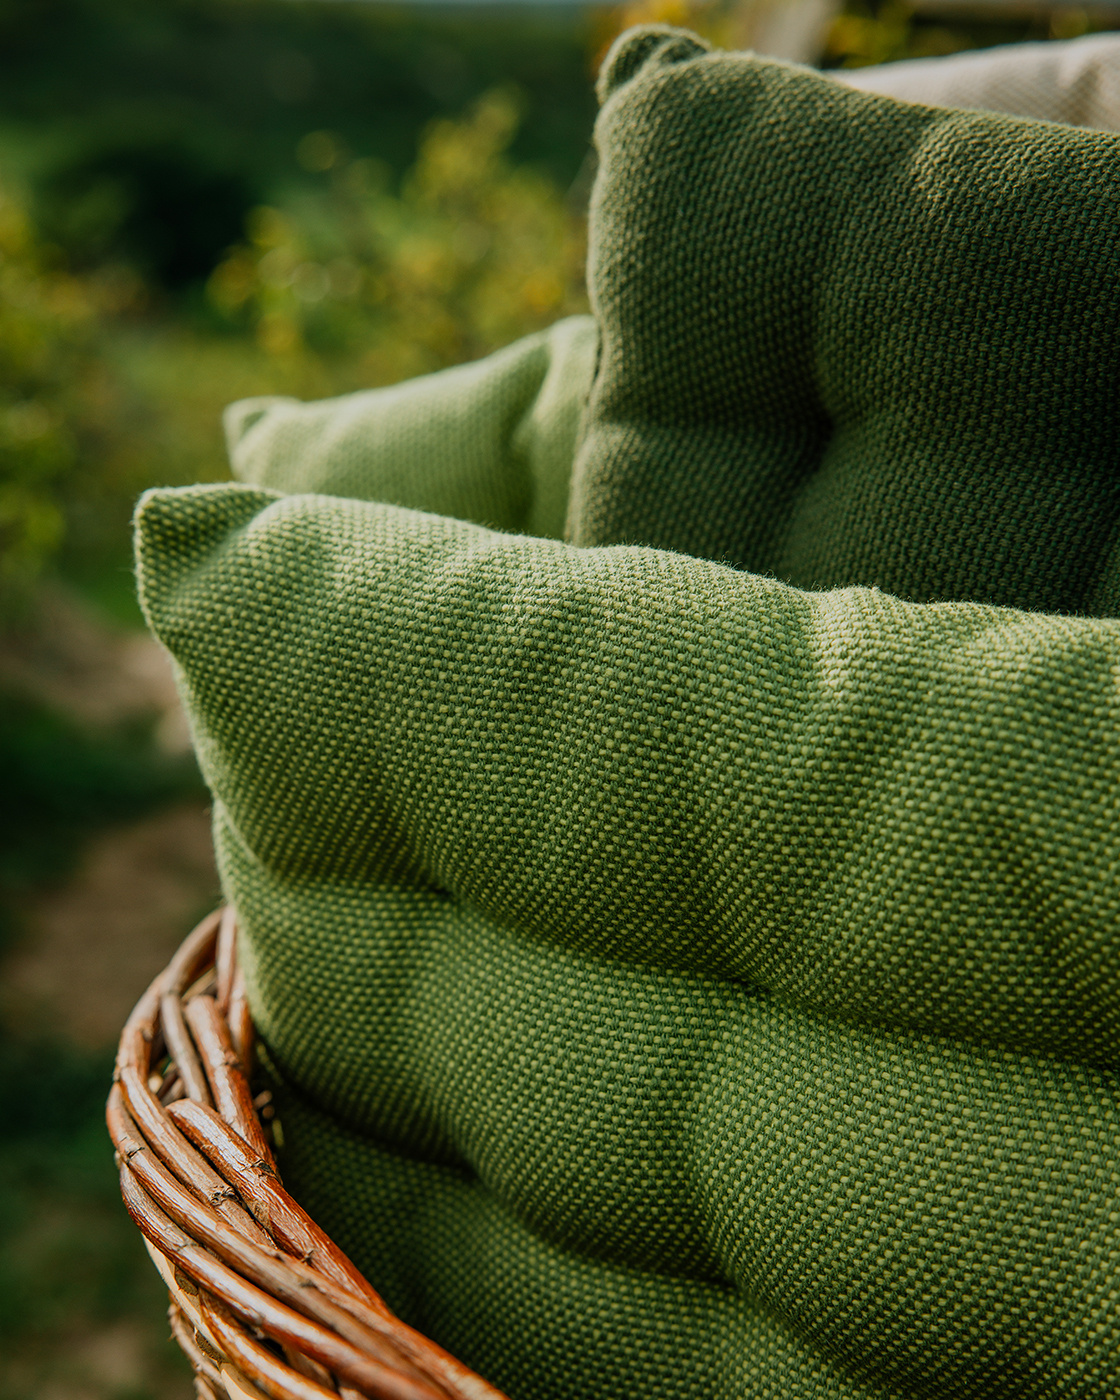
(490, 441)
(685, 985)
(850, 340)
(677, 983)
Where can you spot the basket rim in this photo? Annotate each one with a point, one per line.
(262, 1301)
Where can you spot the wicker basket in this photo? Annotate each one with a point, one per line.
(262, 1301)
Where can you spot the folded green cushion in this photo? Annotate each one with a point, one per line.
(685, 985)
(490, 441)
(850, 340)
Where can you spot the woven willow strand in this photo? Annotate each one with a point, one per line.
(263, 1303)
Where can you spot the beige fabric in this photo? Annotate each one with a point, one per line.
(1076, 81)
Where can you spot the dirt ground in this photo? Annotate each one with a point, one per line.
(86, 950)
(122, 1361)
(91, 947)
(99, 674)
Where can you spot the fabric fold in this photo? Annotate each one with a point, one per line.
(491, 441)
(670, 939)
(892, 812)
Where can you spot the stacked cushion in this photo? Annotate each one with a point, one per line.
(491, 441)
(678, 982)
(685, 985)
(1076, 81)
(848, 340)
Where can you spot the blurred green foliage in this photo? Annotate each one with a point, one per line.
(45, 1095)
(381, 191)
(149, 127)
(45, 358)
(74, 1280)
(61, 782)
(468, 253)
(885, 31)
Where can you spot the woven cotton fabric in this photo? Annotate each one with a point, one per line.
(677, 982)
(1076, 81)
(491, 441)
(851, 340)
(656, 940)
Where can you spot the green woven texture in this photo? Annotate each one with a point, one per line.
(678, 983)
(490, 441)
(717, 981)
(848, 340)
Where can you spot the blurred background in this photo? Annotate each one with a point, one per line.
(202, 200)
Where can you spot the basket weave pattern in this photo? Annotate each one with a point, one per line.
(262, 1301)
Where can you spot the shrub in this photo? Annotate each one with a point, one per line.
(468, 254)
(46, 361)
